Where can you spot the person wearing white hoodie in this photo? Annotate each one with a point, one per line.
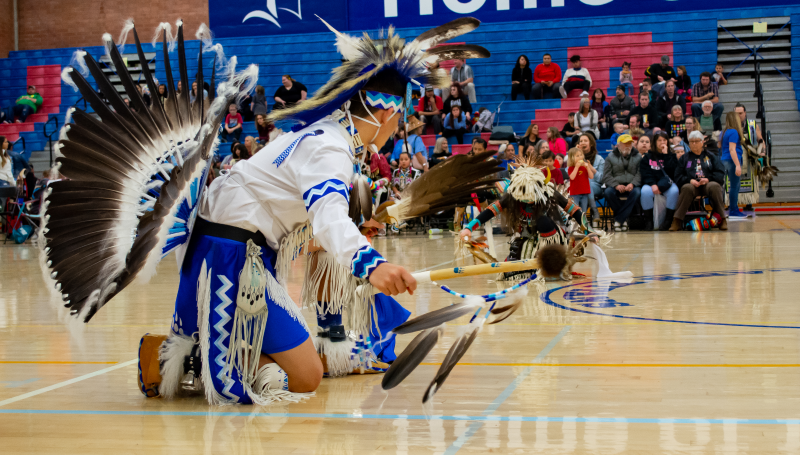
(576, 78)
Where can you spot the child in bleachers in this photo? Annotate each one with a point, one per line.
(626, 77)
(232, 129)
(264, 128)
(549, 160)
(619, 128)
(683, 83)
(579, 174)
(455, 124)
(403, 175)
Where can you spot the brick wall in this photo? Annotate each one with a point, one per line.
(6, 27)
(70, 23)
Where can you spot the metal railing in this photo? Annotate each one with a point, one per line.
(13, 145)
(754, 51)
(761, 114)
(50, 136)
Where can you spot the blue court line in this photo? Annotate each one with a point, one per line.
(474, 427)
(654, 278)
(480, 418)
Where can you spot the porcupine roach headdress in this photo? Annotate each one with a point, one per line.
(530, 183)
(133, 178)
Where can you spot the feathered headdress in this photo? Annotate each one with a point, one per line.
(366, 58)
(133, 178)
(529, 182)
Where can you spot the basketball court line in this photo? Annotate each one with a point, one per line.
(53, 362)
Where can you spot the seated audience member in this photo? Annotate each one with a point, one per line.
(291, 93)
(259, 106)
(27, 104)
(530, 150)
(232, 128)
(479, 145)
(249, 143)
(586, 118)
(719, 78)
(441, 150)
(692, 124)
(576, 78)
(646, 112)
(699, 173)
(239, 152)
(145, 93)
(413, 140)
(626, 78)
(676, 126)
(521, 78)
(580, 173)
(549, 161)
(647, 87)
(557, 144)
(162, 93)
(668, 100)
(6, 168)
(507, 156)
(246, 108)
(678, 146)
(706, 90)
(531, 136)
(708, 122)
(462, 74)
(660, 73)
(603, 110)
(732, 155)
(455, 124)
(193, 93)
(621, 106)
(430, 109)
(179, 88)
(546, 78)
(457, 98)
(619, 129)
(568, 130)
(403, 175)
(657, 168)
(683, 83)
(622, 179)
(264, 128)
(588, 146)
(540, 147)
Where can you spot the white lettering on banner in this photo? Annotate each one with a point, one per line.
(456, 6)
(594, 2)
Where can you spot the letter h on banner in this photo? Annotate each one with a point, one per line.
(426, 6)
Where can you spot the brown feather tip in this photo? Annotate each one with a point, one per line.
(552, 260)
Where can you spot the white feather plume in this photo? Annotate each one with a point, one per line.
(347, 45)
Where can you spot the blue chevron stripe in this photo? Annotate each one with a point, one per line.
(385, 101)
(220, 341)
(323, 189)
(285, 154)
(365, 261)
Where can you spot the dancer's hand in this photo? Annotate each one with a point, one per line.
(465, 235)
(392, 279)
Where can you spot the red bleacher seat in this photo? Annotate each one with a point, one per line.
(460, 149)
(486, 136)
(428, 139)
(617, 38)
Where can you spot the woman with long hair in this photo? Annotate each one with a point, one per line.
(588, 146)
(264, 128)
(586, 118)
(521, 78)
(656, 169)
(455, 124)
(531, 136)
(289, 93)
(732, 155)
(557, 143)
(457, 98)
(683, 84)
(6, 174)
(600, 106)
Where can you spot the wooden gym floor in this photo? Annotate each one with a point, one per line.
(699, 354)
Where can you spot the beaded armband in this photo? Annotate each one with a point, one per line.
(571, 207)
(473, 224)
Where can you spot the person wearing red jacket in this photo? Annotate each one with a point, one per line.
(546, 78)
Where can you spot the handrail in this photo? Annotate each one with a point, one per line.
(79, 100)
(23, 143)
(50, 136)
(768, 139)
(761, 114)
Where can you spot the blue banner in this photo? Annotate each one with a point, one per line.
(230, 18)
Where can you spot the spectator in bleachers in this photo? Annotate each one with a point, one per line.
(291, 93)
(719, 78)
(193, 92)
(455, 124)
(507, 157)
(657, 168)
(683, 83)
(580, 174)
(249, 143)
(462, 74)
(622, 179)
(430, 109)
(531, 136)
(676, 126)
(678, 146)
(162, 93)
(528, 151)
(259, 105)
(479, 145)
(626, 77)
(546, 78)
(699, 173)
(414, 141)
(708, 122)
(692, 124)
(706, 90)
(557, 144)
(670, 99)
(403, 175)
(550, 162)
(540, 147)
(239, 152)
(603, 109)
(232, 129)
(568, 130)
(659, 74)
(246, 108)
(264, 128)
(6, 173)
(144, 92)
(732, 156)
(521, 78)
(634, 122)
(27, 104)
(457, 98)
(576, 78)
(586, 118)
(588, 146)
(621, 106)
(647, 87)
(647, 113)
(179, 87)
(441, 151)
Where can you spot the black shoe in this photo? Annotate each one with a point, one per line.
(667, 220)
(648, 220)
